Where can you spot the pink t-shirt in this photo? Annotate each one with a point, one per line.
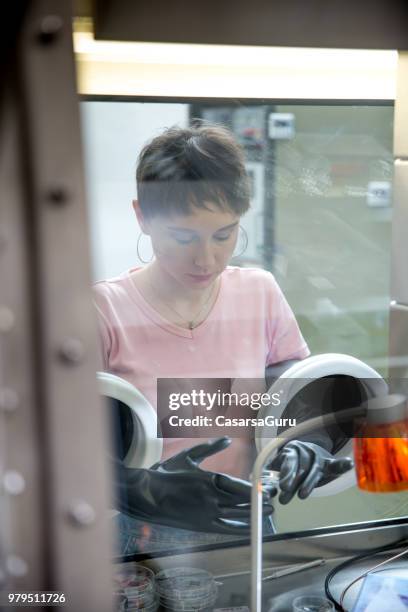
(250, 326)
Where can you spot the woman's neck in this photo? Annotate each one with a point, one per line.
(169, 290)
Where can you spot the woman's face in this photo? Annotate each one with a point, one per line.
(194, 249)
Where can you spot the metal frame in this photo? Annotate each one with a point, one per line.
(398, 344)
(21, 498)
(235, 102)
(57, 473)
(373, 25)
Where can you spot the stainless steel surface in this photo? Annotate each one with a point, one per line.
(231, 565)
(286, 549)
(279, 595)
(57, 454)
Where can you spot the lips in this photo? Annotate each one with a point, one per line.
(200, 278)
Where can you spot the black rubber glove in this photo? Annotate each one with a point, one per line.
(304, 466)
(178, 493)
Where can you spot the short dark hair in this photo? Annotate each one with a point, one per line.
(187, 167)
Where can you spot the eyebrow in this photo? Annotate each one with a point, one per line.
(186, 230)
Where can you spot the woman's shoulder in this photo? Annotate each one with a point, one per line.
(112, 288)
(248, 277)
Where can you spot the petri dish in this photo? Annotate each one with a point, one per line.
(312, 603)
(137, 584)
(186, 588)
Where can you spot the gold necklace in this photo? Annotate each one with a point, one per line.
(192, 322)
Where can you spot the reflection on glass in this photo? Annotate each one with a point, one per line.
(320, 220)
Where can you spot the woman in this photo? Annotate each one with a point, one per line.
(188, 313)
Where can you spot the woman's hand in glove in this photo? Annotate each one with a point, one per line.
(177, 492)
(304, 466)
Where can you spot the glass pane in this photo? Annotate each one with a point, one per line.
(320, 221)
(334, 227)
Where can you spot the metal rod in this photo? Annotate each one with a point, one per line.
(293, 569)
(256, 494)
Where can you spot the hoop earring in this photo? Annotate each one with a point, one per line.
(245, 240)
(137, 250)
